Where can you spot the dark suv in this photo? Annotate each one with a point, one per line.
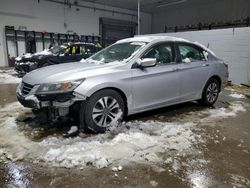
(65, 53)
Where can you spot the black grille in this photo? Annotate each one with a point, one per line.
(26, 88)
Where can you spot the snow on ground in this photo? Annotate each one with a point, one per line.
(133, 145)
(8, 77)
(150, 142)
(134, 142)
(231, 111)
(238, 181)
(237, 96)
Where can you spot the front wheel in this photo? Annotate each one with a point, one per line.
(210, 92)
(101, 110)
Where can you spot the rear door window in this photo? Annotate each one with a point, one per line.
(190, 53)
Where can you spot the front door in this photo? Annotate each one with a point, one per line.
(159, 85)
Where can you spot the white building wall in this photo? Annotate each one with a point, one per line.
(50, 16)
(232, 45)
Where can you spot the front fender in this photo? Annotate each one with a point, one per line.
(89, 87)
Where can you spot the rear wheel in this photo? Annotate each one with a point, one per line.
(101, 110)
(210, 92)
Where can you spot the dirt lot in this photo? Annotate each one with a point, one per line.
(180, 146)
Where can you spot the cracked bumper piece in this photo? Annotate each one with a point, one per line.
(29, 103)
(54, 100)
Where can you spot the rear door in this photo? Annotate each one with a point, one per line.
(156, 86)
(194, 70)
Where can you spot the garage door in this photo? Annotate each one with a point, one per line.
(113, 30)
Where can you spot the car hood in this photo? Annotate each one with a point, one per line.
(69, 71)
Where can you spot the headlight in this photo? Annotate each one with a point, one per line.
(58, 87)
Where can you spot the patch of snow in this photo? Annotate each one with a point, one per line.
(18, 58)
(28, 55)
(120, 168)
(44, 52)
(176, 165)
(239, 181)
(237, 96)
(18, 144)
(102, 150)
(83, 60)
(114, 169)
(154, 183)
(146, 142)
(12, 107)
(186, 60)
(73, 129)
(9, 77)
(231, 111)
(198, 179)
(151, 37)
(168, 160)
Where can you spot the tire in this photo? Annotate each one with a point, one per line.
(99, 111)
(210, 92)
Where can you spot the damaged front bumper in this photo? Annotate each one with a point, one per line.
(56, 100)
(33, 102)
(54, 105)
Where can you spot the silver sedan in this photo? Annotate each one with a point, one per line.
(131, 76)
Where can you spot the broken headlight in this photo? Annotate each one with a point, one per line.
(58, 87)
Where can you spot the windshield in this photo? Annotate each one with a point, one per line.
(117, 52)
(58, 49)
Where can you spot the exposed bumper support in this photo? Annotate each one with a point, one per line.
(31, 101)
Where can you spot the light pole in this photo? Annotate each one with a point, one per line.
(138, 16)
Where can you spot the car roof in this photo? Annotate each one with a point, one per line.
(152, 38)
(161, 37)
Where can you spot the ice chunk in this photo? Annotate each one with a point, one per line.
(237, 96)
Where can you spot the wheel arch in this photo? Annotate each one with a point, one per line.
(120, 92)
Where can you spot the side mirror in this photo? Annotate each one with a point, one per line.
(147, 62)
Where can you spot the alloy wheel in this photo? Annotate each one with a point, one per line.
(106, 111)
(212, 92)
